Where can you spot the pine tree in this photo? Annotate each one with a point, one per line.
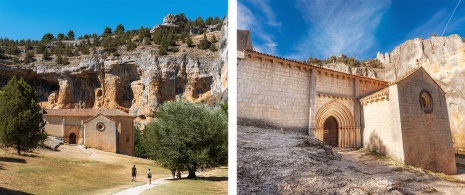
(189, 41)
(45, 54)
(71, 35)
(22, 122)
(119, 29)
(59, 59)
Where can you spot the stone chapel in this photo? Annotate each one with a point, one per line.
(109, 130)
(406, 119)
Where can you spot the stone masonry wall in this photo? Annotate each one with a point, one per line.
(382, 127)
(125, 135)
(54, 126)
(334, 84)
(102, 140)
(272, 94)
(427, 136)
(366, 87)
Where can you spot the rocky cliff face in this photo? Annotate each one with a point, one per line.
(444, 59)
(136, 82)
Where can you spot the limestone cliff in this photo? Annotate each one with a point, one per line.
(444, 59)
(136, 82)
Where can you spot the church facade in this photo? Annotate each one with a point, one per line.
(405, 119)
(110, 130)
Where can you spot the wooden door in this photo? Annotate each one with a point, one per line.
(72, 138)
(330, 136)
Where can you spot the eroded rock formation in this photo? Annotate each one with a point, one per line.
(137, 82)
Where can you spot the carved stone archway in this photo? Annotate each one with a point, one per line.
(348, 135)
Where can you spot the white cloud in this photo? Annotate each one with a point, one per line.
(337, 26)
(247, 20)
(264, 7)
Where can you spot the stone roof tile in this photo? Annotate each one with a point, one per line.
(85, 112)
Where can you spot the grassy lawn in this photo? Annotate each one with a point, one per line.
(211, 182)
(64, 173)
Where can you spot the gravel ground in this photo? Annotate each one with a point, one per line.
(275, 162)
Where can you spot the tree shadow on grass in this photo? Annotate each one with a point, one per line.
(204, 178)
(12, 192)
(11, 159)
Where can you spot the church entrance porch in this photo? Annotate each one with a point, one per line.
(330, 133)
(335, 126)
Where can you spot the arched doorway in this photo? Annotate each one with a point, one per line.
(330, 135)
(347, 135)
(72, 138)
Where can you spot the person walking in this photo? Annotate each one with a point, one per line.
(134, 173)
(149, 176)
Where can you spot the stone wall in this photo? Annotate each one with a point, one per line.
(272, 94)
(382, 126)
(54, 125)
(103, 140)
(125, 135)
(427, 136)
(334, 84)
(366, 87)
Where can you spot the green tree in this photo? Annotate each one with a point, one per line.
(107, 31)
(47, 37)
(22, 122)
(138, 147)
(198, 22)
(40, 48)
(187, 136)
(119, 29)
(29, 57)
(131, 46)
(45, 54)
(204, 43)
(59, 59)
(209, 21)
(189, 41)
(213, 47)
(71, 35)
(60, 36)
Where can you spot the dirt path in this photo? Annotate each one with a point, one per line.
(141, 188)
(275, 162)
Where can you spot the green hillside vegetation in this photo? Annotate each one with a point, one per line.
(350, 61)
(63, 47)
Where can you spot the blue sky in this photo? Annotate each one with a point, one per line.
(297, 29)
(23, 19)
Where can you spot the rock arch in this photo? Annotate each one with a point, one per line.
(348, 135)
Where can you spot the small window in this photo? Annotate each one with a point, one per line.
(100, 127)
(426, 102)
(127, 137)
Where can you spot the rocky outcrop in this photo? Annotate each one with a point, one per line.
(444, 59)
(137, 82)
(174, 19)
(359, 71)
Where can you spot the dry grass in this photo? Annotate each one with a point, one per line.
(211, 182)
(70, 171)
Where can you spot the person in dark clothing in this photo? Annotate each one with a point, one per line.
(134, 173)
(149, 175)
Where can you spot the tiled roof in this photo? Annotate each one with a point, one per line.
(317, 67)
(382, 94)
(85, 112)
(243, 36)
(91, 118)
(410, 72)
